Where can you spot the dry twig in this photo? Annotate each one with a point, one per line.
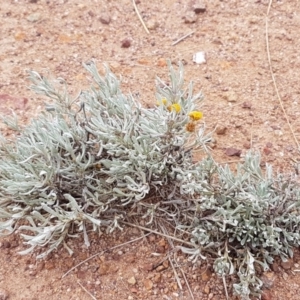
(182, 38)
(174, 270)
(139, 16)
(273, 78)
(102, 252)
(86, 290)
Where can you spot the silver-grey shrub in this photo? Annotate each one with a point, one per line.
(99, 159)
(85, 160)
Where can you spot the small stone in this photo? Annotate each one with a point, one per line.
(34, 17)
(91, 14)
(233, 152)
(20, 36)
(132, 280)
(199, 57)
(213, 143)
(247, 105)
(247, 145)
(126, 43)
(190, 17)
(221, 130)
(206, 275)
(148, 284)
(206, 289)
(268, 279)
(198, 6)
(3, 294)
(278, 132)
(166, 264)
(40, 267)
(33, 273)
(174, 286)
(230, 96)
(152, 24)
(157, 278)
(104, 19)
(103, 268)
(287, 265)
(161, 63)
(275, 127)
(6, 244)
(269, 145)
(160, 268)
(210, 296)
(267, 151)
(147, 267)
(285, 276)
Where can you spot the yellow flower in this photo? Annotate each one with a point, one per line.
(163, 101)
(196, 115)
(175, 107)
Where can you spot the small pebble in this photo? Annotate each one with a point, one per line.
(221, 130)
(206, 289)
(190, 17)
(285, 276)
(233, 152)
(132, 280)
(247, 105)
(103, 269)
(278, 132)
(230, 96)
(104, 19)
(198, 6)
(126, 43)
(148, 284)
(152, 24)
(6, 244)
(287, 265)
(34, 17)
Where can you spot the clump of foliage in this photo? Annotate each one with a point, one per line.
(100, 159)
